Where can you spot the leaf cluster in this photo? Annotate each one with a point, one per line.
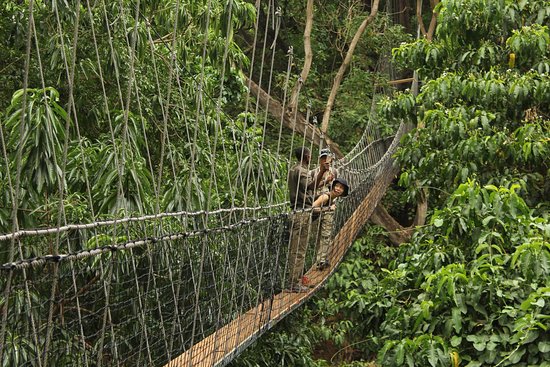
(482, 112)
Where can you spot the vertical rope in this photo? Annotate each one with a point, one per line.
(271, 194)
(15, 197)
(197, 292)
(106, 318)
(61, 217)
(118, 165)
(164, 135)
(144, 336)
(131, 81)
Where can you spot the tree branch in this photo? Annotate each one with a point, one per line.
(433, 22)
(293, 103)
(345, 64)
(293, 120)
(419, 18)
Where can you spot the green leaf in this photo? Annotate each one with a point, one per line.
(457, 320)
(491, 345)
(432, 355)
(474, 364)
(410, 360)
(515, 356)
(456, 340)
(544, 346)
(487, 220)
(463, 224)
(400, 354)
(480, 346)
(532, 335)
(540, 302)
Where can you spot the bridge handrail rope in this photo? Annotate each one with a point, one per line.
(346, 162)
(102, 223)
(128, 244)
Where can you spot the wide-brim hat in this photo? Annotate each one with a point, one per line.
(343, 183)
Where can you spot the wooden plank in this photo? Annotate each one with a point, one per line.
(211, 350)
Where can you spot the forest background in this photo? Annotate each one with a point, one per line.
(456, 273)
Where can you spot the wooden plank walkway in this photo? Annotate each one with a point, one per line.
(219, 348)
(239, 333)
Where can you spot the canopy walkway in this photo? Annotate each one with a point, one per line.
(201, 278)
(194, 298)
(228, 341)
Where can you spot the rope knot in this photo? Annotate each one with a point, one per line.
(52, 258)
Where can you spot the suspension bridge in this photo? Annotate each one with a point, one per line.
(197, 297)
(158, 287)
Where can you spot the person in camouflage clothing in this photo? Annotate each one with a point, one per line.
(301, 185)
(324, 206)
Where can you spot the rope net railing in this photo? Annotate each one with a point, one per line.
(351, 215)
(143, 218)
(142, 292)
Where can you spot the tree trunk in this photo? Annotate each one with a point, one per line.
(421, 209)
(404, 17)
(397, 233)
(293, 120)
(433, 22)
(292, 105)
(345, 64)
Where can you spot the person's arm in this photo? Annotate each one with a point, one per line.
(316, 181)
(332, 174)
(321, 200)
(335, 172)
(328, 180)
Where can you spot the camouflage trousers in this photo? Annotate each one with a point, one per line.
(299, 238)
(322, 228)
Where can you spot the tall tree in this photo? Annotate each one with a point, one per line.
(292, 117)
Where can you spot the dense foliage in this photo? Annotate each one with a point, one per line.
(472, 286)
(122, 142)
